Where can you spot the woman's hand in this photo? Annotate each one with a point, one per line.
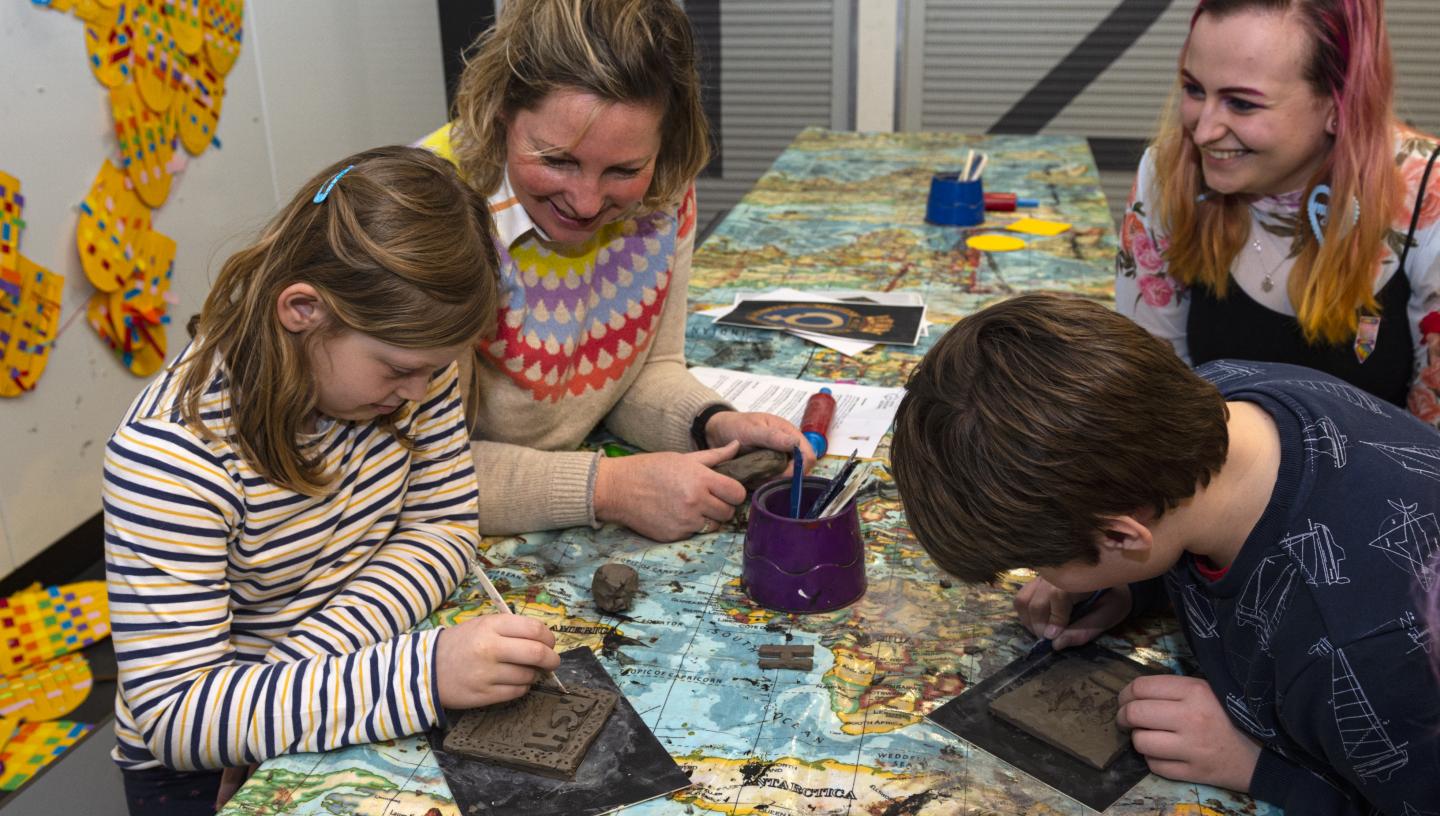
(756, 430)
(1044, 609)
(492, 659)
(668, 496)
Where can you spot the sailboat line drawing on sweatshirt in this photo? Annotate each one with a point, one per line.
(1411, 541)
(1367, 744)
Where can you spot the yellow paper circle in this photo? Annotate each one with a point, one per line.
(995, 243)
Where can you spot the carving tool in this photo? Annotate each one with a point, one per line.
(1078, 611)
(797, 481)
(833, 489)
(499, 600)
(858, 477)
(975, 174)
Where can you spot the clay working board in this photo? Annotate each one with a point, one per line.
(1071, 705)
(974, 717)
(544, 731)
(624, 765)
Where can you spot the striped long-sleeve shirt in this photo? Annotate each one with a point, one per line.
(251, 621)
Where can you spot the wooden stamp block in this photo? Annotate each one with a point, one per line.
(1071, 706)
(787, 657)
(543, 731)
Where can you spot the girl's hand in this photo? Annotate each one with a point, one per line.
(492, 659)
(230, 781)
(1183, 732)
(756, 430)
(668, 496)
(1044, 609)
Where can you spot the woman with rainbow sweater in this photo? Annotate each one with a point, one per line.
(582, 124)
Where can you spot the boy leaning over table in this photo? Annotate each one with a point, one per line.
(1289, 517)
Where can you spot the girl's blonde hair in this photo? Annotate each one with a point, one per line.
(633, 51)
(1349, 63)
(400, 249)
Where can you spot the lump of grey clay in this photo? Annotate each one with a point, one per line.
(755, 468)
(614, 587)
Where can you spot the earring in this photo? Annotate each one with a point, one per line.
(1318, 208)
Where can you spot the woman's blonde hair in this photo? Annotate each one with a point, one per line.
(400, 249)
(1330, 283)
(633, 51)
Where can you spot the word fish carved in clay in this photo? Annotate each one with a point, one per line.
(543, 731)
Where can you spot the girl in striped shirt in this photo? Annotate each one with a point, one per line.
(295, 492)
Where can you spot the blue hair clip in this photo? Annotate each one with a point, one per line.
(329, 185)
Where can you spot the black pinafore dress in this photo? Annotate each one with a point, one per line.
(1237, 327)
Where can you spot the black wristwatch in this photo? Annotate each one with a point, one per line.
(697, 428)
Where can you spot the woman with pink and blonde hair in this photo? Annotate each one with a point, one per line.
(1283, 213)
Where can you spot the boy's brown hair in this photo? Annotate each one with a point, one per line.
(1031, 420)
(634, 51)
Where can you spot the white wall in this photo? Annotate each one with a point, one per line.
(315, 80)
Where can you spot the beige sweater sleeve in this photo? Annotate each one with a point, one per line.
(523, 490)
(657, 410)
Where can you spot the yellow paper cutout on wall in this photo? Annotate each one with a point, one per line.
(222, 26)
(146, 141)
(34, 746)
(995, 243)
(157, 59)
(107, 234)
(11, 205)
(132, 321)
(185, 25)
(109, 39)
(46, 692)
(198, 114)
(1035, 226)
(164, 62)
(32, 332)
(86, 10)
(30, 297)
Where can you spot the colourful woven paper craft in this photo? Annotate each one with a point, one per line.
(46, 692)
(147, 143)
(112, 223)
(185, 25)
(29, 301)
(109, 39)
(157, 58)
(40, 624)
(223, 32)
(35, 746)
(164, 63)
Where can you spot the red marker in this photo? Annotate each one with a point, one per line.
(1007, 202)
(815, 424)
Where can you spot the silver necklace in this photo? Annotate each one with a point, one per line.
(1268, 283)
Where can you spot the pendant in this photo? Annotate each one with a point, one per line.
(1366, 335)
(1266, 285)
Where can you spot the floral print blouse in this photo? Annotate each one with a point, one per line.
(1145, 291)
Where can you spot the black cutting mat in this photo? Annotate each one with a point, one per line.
(968, 717)
(625, 765)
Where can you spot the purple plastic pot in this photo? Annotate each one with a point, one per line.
(801, 565)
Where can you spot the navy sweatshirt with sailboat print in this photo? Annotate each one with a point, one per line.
(1313, 639)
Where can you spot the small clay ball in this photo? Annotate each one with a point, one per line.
(614, 587)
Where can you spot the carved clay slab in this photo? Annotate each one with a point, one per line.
(1071, 706)
(543, 731)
